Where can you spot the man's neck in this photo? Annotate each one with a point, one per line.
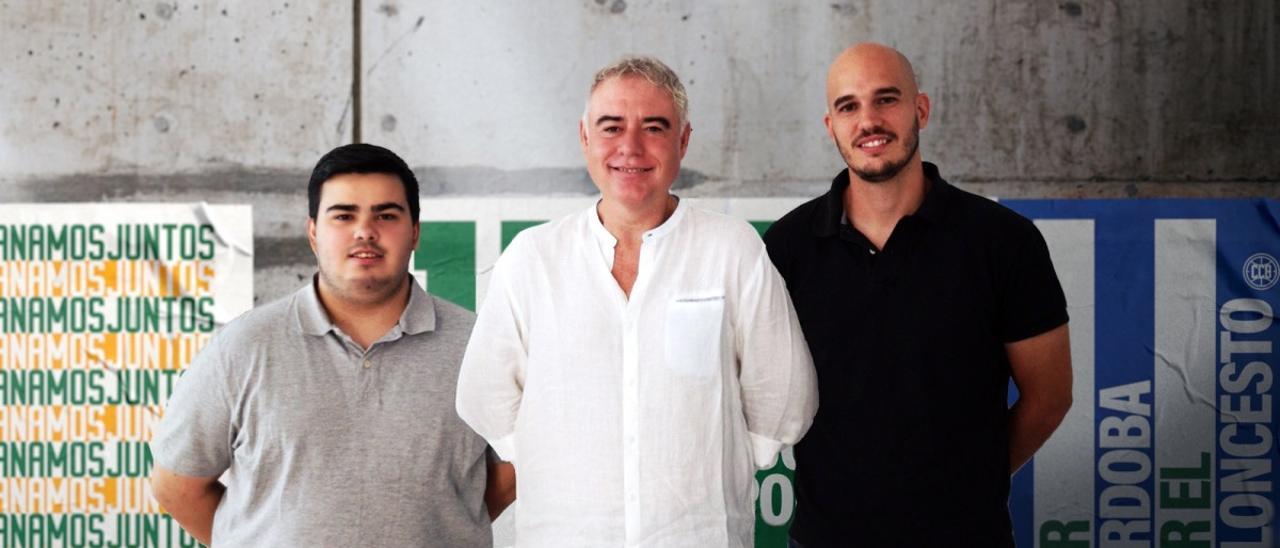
(365, 322)
(629, 225)
(874, 209)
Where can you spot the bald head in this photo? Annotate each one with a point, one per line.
(869, 62)
(875, 112)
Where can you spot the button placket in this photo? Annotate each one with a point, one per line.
(630, 419)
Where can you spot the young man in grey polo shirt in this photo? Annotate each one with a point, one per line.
(332, 410)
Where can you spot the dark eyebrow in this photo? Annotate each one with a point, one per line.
(891, 90)
(352, 208)
(608, 118)
(660, 120)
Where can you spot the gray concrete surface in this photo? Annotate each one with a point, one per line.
(232, 102)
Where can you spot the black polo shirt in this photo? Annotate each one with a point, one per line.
(910, 444)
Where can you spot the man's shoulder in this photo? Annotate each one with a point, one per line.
(988, 216)
(451, 318)
(732, 230)
(550, 234)
(262, 321)
(795, 223)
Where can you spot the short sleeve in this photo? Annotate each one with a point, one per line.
(195, 435)
(1030, 296)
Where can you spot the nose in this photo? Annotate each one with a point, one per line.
(869, 121)
(631, 144)
(365, 231)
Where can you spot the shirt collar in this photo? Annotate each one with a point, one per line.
(831, 215)
(606, 239)
(419, 315)
(934, 207)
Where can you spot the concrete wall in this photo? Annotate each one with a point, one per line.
(232, 102)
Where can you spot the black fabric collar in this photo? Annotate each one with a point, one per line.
(831, 213)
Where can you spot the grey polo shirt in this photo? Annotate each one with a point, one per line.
(326, 444)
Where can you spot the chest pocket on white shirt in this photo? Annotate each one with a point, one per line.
(693, 335)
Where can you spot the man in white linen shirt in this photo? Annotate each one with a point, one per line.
(637, 361)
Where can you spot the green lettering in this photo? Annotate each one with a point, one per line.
(97, 465)
(150, 529)
(36, 461)
(1176, 534)
(36, 241)
(14, 318)
(168, 229)
(18, 245)
(207, 237)
(97, 394)
(150, 241)
(17, 385)
(95, 312)
(35, 379)
(57, 245)
(19, 526)
(77, 242)
(16, 456)
(1071, 534)
(150, 314)
(57, 312)
(206, 315)
(36, 308)
(1178, 477)
(57, 529)
(57, 459)
(95, 238)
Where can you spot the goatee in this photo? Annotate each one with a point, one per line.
(891, 168)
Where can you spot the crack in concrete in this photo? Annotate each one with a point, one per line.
(394, 43)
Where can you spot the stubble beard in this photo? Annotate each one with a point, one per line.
(890, 169)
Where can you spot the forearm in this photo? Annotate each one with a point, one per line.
(1030, 424)
(1041, 369)
(194, 509)
(501, 489)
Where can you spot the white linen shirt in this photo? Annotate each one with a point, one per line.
(641, 421)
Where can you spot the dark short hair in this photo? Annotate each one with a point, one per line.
(361, 158)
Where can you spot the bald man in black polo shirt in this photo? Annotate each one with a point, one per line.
(919, 302)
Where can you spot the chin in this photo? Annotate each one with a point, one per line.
(625, 193)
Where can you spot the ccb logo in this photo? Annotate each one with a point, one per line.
(1261, 271)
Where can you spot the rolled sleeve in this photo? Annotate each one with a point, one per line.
(779, 386)
(764, 451)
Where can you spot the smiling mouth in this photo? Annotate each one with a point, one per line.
(874, 142)
(631, 170)
(365, 255)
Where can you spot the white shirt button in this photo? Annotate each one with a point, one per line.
(368, 364)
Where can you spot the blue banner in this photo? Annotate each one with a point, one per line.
(1173, 339)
